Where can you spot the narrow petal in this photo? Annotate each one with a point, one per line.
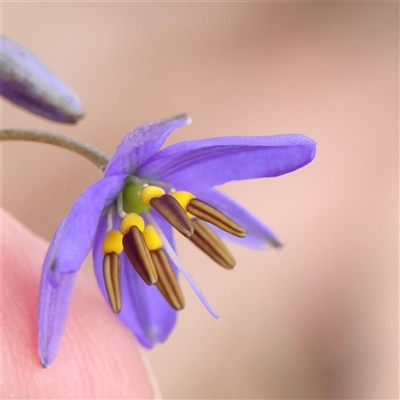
(216, 161)
(141, 143)
(258, 236)
(54, 300)
(28, 83)
(144, 311)
(80, 224)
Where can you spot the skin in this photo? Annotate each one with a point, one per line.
(98, 357)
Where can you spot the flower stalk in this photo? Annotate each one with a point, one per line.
(57, 139)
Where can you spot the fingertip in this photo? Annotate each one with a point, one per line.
(98, 358)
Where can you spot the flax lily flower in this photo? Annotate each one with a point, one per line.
(126, 218)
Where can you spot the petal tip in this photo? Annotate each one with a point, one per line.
(181, 117)
(313, 152)
(45, 360)
(44, 364)
(274, 242)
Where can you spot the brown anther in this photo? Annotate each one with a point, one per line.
(167, 282)
(111, 274)
(208, 241)
(173, 212)
(139, 255)
(208, 213)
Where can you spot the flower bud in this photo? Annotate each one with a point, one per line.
(25, 81)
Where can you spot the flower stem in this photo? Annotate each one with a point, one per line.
(57, 139)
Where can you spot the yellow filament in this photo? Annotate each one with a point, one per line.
(112, 243)
(151, 238)
(149, 192)
(129, 221)
(183, 198)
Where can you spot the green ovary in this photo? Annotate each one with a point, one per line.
(131, 199)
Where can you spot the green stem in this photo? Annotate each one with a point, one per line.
(85, 150)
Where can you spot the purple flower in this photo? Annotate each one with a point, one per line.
(127, 219)
(25, 81)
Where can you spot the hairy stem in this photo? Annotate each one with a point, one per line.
(85, 150)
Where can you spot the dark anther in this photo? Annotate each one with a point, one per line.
(111, 274)
(139, 255)
(210, 214)
(208, 241)
(167, 282)
(173, 212)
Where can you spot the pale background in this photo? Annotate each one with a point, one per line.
(317, 319)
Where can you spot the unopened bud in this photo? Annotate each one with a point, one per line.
(25, 81)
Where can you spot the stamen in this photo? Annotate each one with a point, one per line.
(112, 242)
(135, 179)
(129, 221)
(120, 206)
(109, 219)
(153, 241)
(111, 274)
(167, 283)
(162, 184)
(173, 212)
(208, 241)
(149, 192)
(139, 255)
(171, 253)
(183, 198)
(146, 182)
(210, 214)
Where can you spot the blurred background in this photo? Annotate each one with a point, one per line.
(316, 319)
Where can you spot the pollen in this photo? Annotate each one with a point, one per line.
(112, 242)
(131, 220)
(153, 241)
(150, 192)
(183, 198)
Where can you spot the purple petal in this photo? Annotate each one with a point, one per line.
(80, 224)
(54, 300)
(29, 84)
(216, 161)
(144, 311)
(141, 143)
(259, 236)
